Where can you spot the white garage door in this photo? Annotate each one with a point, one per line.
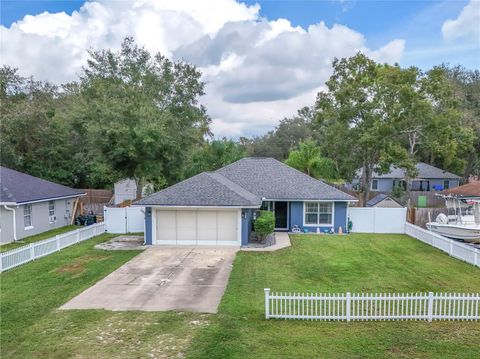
(202, 227)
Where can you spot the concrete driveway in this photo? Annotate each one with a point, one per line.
(163, 278)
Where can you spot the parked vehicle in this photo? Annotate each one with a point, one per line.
(462, 222)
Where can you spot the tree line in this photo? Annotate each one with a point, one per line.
(137, 115)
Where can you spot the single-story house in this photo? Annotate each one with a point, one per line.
(30, 205)
(218, 208)
(383, 200)
(429, 178)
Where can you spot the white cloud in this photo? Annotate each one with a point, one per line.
(466, 25)
(257, 71)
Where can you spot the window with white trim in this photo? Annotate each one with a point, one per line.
(446, 184)
(27, 215)
(51, 211)
(374, 185)
(318, 213)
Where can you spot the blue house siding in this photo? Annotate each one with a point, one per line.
(340, 217)
(148, 225)
(247, 216)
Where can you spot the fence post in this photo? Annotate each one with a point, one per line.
(57, 242)
(32, 251)
(430, 306)
(1, 262)
(267, 303)
(475, 258)
(450, 245)
(348, 306)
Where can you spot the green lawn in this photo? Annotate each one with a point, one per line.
(37, 237)
(32, 326)
(368, 263)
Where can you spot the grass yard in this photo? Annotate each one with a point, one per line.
(358, 262)
(32, 327)
(37, 237)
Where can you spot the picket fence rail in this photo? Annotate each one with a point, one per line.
(459, 250)
(30, 252)
(372, 306)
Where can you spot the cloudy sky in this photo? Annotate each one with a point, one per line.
(261, 60)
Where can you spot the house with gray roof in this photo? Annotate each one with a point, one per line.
(218, 208)
(428, 178)
(30, 205)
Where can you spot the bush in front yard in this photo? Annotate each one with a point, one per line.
(264, 224)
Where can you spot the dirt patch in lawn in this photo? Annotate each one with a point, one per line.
(79, 265)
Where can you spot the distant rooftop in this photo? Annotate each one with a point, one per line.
(425, 171)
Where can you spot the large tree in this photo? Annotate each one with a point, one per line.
(466, 92)
(140, 113)
(213, 155)
(34, 139)
(354, 119)
(286, 136)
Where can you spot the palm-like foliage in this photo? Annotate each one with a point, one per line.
(308, 159)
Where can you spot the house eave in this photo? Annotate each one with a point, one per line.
(50, 199)
(173, 206)
(308, 200)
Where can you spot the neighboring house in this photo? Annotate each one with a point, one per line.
(469, 190)
(124, 190)
(30, 205)
(429, 178)
(383, 200)
(217, 208)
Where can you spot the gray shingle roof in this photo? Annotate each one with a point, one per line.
(245, 183)
(18, 187)
(379, 198)
(204, 189)
(272, 179)
(424, 171)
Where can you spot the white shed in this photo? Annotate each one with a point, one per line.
(125, 190)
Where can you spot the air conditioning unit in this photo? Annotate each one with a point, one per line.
(52, 219)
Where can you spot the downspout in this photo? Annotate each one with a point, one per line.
(14, 221)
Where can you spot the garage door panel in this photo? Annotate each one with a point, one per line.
(207, 227)
(166, 227)
(227, 227)
(186, 227)
(202, 227)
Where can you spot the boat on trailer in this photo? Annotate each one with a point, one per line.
(463, 224)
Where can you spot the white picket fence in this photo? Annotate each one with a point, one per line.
(30, 252)
(459, 250)
(377, 306)
(377, 219)
(124, 220)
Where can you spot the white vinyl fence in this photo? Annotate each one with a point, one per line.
(28, 253)
(377, 219)
(124, 220)
(459, 250)
(378, 306)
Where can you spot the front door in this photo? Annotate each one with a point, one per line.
(281, 215)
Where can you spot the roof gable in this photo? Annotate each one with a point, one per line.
(204, 189)
(18, 187)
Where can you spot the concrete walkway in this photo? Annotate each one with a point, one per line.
(163, 278)
(282, 241)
